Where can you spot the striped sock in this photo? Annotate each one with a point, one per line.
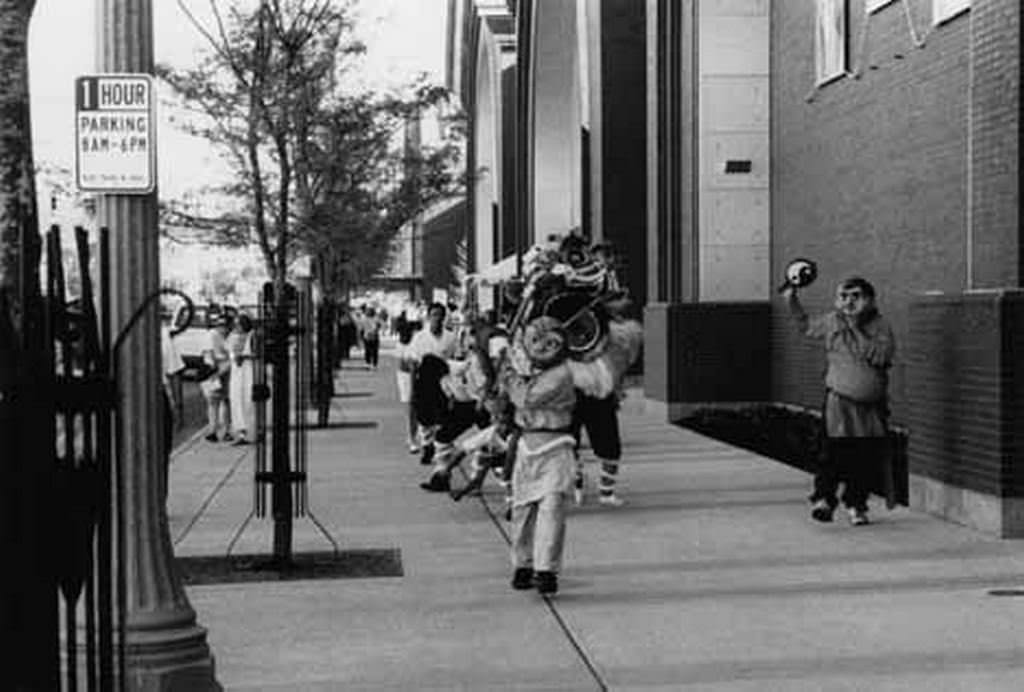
(606, 486)
(609, 471)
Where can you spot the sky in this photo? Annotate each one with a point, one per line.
(404, 37)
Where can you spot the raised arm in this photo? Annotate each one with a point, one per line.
(814, 327)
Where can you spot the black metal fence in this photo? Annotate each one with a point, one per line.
(85, 504)
(277, 345)
(285, 388)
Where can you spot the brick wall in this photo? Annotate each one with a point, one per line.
(995, 125)
(869, 174)
(964, 364)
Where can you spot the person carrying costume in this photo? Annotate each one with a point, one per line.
(600, 416)
(432, 340)
(542, 385)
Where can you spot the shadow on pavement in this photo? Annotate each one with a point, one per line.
(346, 425)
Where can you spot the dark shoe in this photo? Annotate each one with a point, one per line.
(822, 511)
(212, 437)
(427, 458)
(522, 579)
(437, 483)
(240, 441)
(546, 582)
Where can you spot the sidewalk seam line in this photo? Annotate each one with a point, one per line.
(187, 444)
(562, 624)
(209, 498)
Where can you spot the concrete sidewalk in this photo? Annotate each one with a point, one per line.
(712, 577)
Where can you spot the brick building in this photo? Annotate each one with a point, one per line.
(876, 137)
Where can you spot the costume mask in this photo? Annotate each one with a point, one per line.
(800, 273)
(544, 342)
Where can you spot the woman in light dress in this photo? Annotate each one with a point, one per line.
(240, 392)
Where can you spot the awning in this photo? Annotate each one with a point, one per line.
(497, 272)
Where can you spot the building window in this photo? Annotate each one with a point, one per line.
(830, 41)
(947, 9)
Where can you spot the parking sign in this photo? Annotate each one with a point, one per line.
(115, 134)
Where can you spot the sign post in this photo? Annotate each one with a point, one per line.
(164, 647)
(115, 134)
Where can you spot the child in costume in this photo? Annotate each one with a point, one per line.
(542, 384)
(859, 348)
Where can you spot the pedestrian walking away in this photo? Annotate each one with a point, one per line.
(369, 333)
(172, 365)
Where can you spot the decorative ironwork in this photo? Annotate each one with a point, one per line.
(284, 395)
(86, 499)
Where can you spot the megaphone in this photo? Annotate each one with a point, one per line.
(799, 273)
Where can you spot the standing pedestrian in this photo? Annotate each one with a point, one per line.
(403, 380)
(859, 348)
(214, 384)
(172, 365)
(240, 383)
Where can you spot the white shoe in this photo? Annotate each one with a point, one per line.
(577, 496)
(859, 517)
(612, 500)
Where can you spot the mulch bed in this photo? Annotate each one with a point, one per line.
(345, 564)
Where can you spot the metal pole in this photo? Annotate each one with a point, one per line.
(163, 645)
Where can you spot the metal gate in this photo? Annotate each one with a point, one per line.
(86, 503)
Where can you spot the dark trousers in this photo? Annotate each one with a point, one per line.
(371, 351)
(462, 416)
(856, 462)
(167, 425)
(601, 419)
